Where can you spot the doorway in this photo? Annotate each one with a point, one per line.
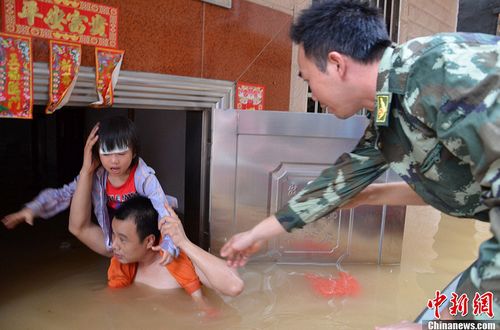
(48, 152)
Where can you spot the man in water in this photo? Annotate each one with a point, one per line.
(136, 255)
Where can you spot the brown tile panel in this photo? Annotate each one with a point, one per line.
(160, 36)
(157, 36)
(248, 42)
(272, 69)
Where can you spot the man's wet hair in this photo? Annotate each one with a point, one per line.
(141, 211)
(117, 132)
(350, 27)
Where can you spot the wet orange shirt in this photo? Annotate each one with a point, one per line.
(182, 269)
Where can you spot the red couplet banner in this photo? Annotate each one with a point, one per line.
(65, 20)
(16, 72)
(65, 61)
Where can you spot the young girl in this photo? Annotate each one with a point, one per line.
(122, 175)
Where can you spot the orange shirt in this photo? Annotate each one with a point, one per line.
(182, 269)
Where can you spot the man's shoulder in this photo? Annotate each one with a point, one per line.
(156, 276)
(443, 59)
(120, 275)
(445, 44)
(447, 39)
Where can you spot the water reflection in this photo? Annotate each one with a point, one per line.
(55, 283)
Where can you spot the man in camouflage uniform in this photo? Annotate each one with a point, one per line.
(435, 121)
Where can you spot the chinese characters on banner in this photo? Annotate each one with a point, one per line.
(16, 85)
(249, 96)
(108, 63)
(64, 65)
(480, 304)
(67, 20)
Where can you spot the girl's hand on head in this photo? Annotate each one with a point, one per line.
(90, 164)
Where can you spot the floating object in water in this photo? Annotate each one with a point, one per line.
(65, 245)
(328, 287)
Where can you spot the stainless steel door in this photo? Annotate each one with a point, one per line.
(260, 159)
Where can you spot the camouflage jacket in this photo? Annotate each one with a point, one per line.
(441, 134)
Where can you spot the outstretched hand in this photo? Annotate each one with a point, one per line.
(14, 219)
(239, 248)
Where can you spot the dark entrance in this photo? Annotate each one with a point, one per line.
(47, 152)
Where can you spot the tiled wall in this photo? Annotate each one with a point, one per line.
(248, 42)
(427, 17)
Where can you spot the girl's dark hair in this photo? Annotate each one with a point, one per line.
(141, 211)
(117, 132)
(350, 27)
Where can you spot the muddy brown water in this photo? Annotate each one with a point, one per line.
(50, 281)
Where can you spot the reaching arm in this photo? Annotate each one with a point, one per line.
(213, 272)
(24, 215)
(242, 245)
(394, 193)
(46, 204)
(351, 173)
(51, 201)
(147, 185)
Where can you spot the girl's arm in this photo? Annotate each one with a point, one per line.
(46, 204)
(147, 185)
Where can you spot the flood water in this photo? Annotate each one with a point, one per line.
(50, 281)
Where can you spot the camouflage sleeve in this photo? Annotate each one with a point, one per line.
(460, 100)
(483, 277)
(336, 185)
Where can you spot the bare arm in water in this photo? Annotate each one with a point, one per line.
(213, 271)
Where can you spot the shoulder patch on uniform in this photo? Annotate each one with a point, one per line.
(382, 111)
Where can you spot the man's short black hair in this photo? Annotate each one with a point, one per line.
(350, 27)
(141, 210)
